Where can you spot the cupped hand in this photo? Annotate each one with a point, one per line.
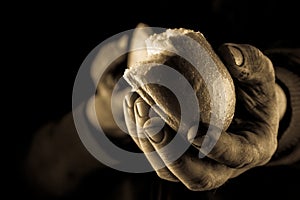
(250, 141)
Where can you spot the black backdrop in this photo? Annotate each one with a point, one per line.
(52, 40)
(57, 38)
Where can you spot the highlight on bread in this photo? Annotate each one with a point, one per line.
(189, 53)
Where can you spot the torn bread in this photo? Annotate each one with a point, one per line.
(189, 53)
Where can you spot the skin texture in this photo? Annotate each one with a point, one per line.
(250, 140)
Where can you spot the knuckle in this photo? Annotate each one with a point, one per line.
(262, 151)
(177, 164)
(166, 175)
(243, 74)
(201, 186)
(206, 182)
(194, 186)
(267, 150)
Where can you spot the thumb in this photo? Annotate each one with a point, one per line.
(246, 63)
(254, 78)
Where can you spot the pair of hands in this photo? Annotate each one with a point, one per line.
(250, 140)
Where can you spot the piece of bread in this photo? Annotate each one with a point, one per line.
(189, 53)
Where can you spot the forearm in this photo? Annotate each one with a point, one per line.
(57, 159)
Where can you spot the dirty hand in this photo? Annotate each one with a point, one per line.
(250, 140)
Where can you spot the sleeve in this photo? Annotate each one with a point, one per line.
(287, 69)
(57, 159)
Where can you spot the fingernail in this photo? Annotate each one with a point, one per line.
(142, 108)
(192, 133)
(204, 149)
(153, 129)
(196, 132)
(130, 98)
(236, 55)
(201, 155)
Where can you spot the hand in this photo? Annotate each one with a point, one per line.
(250, 140)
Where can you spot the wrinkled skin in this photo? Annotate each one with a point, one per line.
(250, 140)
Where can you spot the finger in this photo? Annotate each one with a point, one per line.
(138, 50)
(195, 173)
(241, 149)
(247, 63)
(128, 107)
(142, 114)
(254, 75)
(254, 80)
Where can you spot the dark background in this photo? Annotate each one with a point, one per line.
(50, 41)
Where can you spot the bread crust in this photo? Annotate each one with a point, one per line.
(209, 86)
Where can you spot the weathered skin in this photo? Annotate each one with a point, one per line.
(250, 141)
